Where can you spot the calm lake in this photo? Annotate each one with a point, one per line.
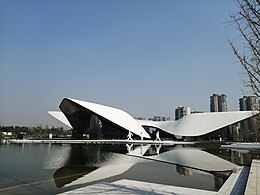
(56, 168)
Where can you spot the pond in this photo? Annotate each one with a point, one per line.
(56, 168)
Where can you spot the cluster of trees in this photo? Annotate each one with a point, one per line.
(35, 132)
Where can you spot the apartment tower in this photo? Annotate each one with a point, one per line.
(249, 103)
(218, 103)
(182, 111)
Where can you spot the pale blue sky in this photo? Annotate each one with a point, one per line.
(144, 56)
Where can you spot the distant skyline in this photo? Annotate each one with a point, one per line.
(146, 57)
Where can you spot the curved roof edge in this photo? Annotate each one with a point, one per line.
(200, 123)
(117, 116)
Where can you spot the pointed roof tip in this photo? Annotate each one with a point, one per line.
(60, 116)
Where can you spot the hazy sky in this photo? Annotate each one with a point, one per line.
(144, 56)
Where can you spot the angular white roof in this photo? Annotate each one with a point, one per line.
(114, 115)
(191, 125)
(199, 123)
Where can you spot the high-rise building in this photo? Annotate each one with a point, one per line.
(248, 103)
(182, 111)
(218, 103)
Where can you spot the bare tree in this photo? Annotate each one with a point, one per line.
(247, 22)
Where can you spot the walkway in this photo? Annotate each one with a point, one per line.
(253, 183)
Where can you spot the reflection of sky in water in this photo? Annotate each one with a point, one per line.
(54, 168)
(56, 157)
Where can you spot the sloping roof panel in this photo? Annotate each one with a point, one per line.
(116, 116)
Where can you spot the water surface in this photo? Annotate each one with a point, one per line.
(56, 168)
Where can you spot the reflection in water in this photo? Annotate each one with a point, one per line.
(66, 175)
(183, 171)
(195, 158)
(239, 157)
(110, 163)
(158, 147)
(243, 157)
(56, 156)
(130, 147)
(154, 150)
(96, 161)
(55, 168)
(83, 160)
